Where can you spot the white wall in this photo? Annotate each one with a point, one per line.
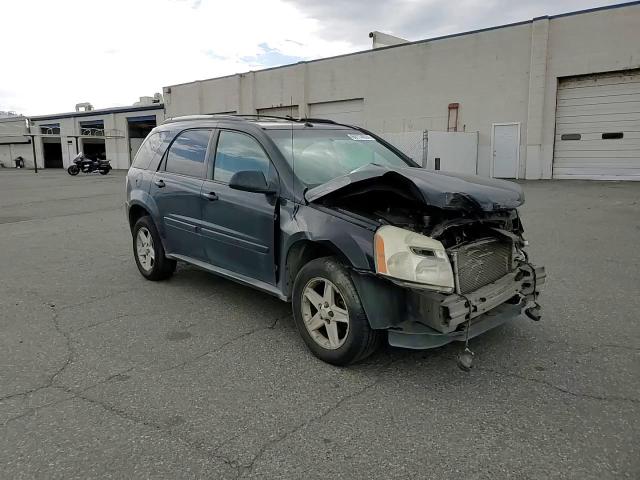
(12, 130)
(507, 74)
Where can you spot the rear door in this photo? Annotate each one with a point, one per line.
(176, 189)
(238, 226)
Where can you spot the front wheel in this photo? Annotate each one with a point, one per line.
(73, 170)
(329, 315)
(149, 252)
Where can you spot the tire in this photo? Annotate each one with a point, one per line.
(354, 342)
(73, 170)
(159, 267)
(104, 171)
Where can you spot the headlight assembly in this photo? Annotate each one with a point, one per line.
(410, 257)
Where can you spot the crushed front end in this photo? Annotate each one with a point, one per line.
(493, 282)
(448, 253)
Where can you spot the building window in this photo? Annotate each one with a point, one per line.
(50, 129)
(571, 136)
(612, 135)
(93, 128)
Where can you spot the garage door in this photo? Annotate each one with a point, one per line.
(598, 127)
(289, 111)
(344, 111)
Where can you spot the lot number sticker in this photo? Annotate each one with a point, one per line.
(359, 136)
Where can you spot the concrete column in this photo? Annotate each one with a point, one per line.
(247, 93)
(303, 107)
(535, 112)
(200, 101)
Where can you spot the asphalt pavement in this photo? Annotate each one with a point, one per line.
(106, 375)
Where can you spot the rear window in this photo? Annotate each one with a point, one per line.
(188, 152)
(151, 150)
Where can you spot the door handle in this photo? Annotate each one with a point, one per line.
(160, 183)
(211, 196)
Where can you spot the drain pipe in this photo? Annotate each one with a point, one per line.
(33, 146)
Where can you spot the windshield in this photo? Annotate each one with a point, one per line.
(322, 155)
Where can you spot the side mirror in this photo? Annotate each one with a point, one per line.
(250, 181)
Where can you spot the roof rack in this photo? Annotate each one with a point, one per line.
(251, 117)
(227, 116)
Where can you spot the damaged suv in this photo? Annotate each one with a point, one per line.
(363, 242)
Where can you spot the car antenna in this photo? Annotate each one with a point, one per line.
(293, 159)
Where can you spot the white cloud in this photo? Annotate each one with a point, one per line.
(55, 54)
(109, 53)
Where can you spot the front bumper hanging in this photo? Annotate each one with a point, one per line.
(420, 319)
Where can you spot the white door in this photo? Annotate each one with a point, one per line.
(455, 152)
(505, 144)
(344, 111)
(598, 127)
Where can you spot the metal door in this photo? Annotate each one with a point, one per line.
(505, 145)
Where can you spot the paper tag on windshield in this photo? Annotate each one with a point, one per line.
(359, 136)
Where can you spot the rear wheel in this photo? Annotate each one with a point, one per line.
(149, 252)
(104, 171)
(329, 315)
(73, 170)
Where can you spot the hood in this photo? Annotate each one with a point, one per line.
(435, 188)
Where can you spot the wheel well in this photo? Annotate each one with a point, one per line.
(303, 252)
(135, 213)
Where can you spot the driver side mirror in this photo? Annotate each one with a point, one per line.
(250, 181)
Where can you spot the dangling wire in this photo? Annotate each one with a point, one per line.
(466, 336)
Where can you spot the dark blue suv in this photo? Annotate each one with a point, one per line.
(364, 243)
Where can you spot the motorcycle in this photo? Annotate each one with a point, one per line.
(88, 165)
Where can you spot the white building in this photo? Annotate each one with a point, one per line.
(553, 97)
(112, 133)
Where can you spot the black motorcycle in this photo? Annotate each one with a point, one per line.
(88, 165)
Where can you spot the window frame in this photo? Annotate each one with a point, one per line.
(272, 168)
(162, 167)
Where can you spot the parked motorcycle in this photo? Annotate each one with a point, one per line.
(88, 165)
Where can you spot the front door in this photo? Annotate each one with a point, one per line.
(238, 226)
(176, 189)
(506, 150)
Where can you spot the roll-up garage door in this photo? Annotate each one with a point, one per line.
(598, 127)
(343, 111)
(288, 111)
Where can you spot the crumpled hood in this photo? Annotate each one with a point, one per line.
(439, 189)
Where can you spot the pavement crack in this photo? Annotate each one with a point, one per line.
(92, 300)
(248, 468)
(124, 414)
(70, 354)
(610, 398)
(223, 345)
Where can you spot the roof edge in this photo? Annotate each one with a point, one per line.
(102, 111)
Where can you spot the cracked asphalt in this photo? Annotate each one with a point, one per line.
(106, 375)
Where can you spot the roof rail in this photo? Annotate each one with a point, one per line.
(249, 117)
(227, 116)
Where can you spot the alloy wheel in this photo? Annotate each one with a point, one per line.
(144, 249)
(325, 313)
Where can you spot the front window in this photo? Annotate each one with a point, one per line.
(319, 155)
(237, 152)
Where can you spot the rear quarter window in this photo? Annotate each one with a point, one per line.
(151, 151)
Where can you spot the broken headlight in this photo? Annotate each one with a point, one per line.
(408, 256)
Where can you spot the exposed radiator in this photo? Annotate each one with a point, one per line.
(480, 263)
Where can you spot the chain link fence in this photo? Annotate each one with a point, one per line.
(414, 144)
